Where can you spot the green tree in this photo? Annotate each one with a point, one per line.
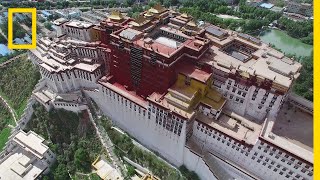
(131, 171)
(129, 3)
(81, 159)
(48, 25)
(61, 172)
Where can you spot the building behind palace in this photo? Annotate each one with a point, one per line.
(189, 92)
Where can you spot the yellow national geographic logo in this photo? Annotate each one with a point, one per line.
(33, 12)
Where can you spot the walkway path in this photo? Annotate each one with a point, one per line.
(104, 138)
(13, 113)
(5, 103)
(107, 144)
(3, 34)
(12, 59)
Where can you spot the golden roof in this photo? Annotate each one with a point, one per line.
(116, 15)
(191, 24)
(148, 14)
(184, 15)
(214, 99)
(157, 9)
(245, 74)
(139, 21)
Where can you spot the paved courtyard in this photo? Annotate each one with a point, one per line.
(296, 126)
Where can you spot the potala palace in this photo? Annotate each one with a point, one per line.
(193, 93)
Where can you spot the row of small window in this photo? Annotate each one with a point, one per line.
(86, 52)
(239, 92)
(263, 101)
(289, 163)
(267, 109)
(162, 113)
(73, 31)
(63, 104)
(246, 88)
(173, 35)
(287, 158)
(265, 96)
(160, 120)
(173, 127)
(237, 99)
(219, 136)
(277, 168)
(46, 73)
(81, 74)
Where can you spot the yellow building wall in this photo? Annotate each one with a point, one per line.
(95, 34)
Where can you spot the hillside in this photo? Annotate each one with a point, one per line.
(5, 120)
(72, 138)
(17, 81)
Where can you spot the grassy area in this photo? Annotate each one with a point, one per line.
(4, 135)
(94, 177)
(5, 120)
(17, 81)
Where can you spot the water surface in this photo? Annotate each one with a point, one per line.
(286, 43)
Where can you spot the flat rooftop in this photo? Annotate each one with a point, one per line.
(298, 130)
(294, 136)
(20, 166)
(31, 142)
(79, 24)
(104, 170)
(235, 126)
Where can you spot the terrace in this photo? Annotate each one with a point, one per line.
(298, 130)
(234, 125)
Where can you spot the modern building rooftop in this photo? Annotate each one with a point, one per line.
(22, 158)
(31, 142)
(17, 166)
(104, 170)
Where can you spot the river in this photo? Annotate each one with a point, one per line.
(286, 43)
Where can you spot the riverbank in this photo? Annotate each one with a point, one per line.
(287, 44)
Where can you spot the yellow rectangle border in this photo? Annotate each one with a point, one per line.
(33, 12)
(316, 89)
